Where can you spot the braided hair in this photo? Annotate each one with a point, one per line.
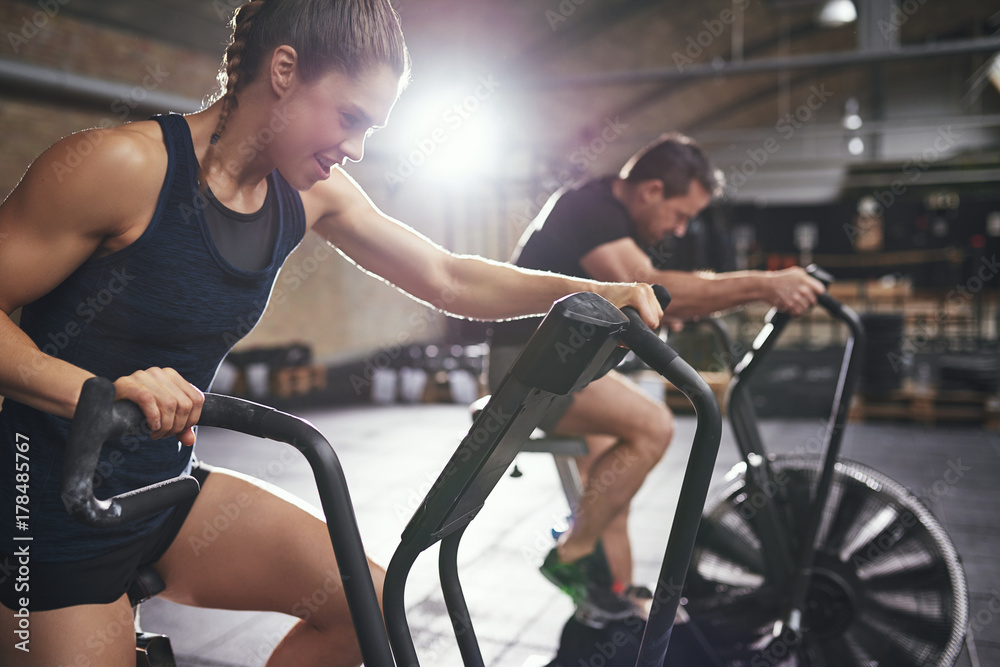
(351, 36)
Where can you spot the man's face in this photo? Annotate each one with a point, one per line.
(657, 217)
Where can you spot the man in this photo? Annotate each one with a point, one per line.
(603, 230)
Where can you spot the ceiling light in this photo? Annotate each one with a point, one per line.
(838, 12)
(852, 117)
(994, 71)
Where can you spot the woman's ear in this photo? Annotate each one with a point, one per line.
(284, 69)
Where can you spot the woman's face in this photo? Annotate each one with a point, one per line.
(325, 122)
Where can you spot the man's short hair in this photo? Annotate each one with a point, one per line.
(676, 160)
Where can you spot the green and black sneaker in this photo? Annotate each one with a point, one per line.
(578, 581)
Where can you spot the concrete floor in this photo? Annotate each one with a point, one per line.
(392, 454)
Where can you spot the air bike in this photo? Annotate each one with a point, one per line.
(581, 337)
(807, 560)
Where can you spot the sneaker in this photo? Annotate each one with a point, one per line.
(638, 592)
(577, 580)
(568, 577)
(602, 606)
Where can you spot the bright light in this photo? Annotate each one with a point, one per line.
(853, 122)
(838, 12)
(995, 71)
(856, 146)
(470, 151)
(452, 133)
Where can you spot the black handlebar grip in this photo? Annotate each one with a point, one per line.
(820, 275)
(99, 418)
(643, 341)
(662, 295)
(234, 414)
(779, 318)
(646, 344)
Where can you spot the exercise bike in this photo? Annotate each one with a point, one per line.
(581, 337)
(814, 561)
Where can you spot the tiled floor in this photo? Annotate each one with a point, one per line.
(391, 455)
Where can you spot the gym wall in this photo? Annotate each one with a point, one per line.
(320, 299)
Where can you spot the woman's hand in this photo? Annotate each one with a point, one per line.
(171, 404)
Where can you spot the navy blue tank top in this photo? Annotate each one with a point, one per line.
(170, 300)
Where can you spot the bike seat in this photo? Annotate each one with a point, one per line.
(147, 584)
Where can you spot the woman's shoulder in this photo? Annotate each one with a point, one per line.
(98, 177)
(126, 150)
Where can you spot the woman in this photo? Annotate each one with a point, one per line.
(139, 264)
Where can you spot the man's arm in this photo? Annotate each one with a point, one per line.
(466, 286)
(695, 294)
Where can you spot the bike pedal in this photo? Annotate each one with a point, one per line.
(597, 618)
(152, 650)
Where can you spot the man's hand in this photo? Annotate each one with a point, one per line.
(673, 324)
(638, 295)
(792, 290)
(171, 404)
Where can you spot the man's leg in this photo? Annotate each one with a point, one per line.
(614, 539)
(642, 427)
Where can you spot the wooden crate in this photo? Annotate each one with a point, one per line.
(717, 381)
(929, 406)
(298, 380)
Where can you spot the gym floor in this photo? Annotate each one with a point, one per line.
(392, 454)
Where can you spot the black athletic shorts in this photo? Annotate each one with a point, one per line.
(99, 580)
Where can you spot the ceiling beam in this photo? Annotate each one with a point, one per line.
(816, 61)
(571, 35)
(119, 99)
(801, 31)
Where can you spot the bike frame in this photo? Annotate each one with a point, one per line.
(576, 341)
(782, 563)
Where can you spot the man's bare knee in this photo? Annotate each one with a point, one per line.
(654, 431)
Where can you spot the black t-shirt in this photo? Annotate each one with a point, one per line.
(573, 223)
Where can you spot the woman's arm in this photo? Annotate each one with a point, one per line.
(462, 285)
(55, 220)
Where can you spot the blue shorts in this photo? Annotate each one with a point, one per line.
(99, 580)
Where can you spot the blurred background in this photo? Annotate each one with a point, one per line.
(863, 135)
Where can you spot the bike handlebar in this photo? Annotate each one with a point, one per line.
(694, 489)
(99, 418)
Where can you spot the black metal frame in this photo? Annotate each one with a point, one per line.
(782, 563)
(578, 340)
(548, 366)
(99, 418)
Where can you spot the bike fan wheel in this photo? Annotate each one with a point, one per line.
(887, 590)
